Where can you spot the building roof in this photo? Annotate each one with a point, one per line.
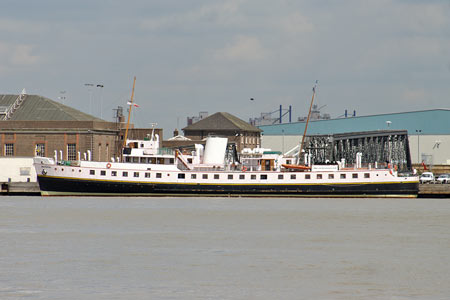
(433, 122)
(38, 108)
(222, 121)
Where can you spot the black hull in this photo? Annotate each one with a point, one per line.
(69, 186)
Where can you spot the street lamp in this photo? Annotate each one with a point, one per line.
(418, 131)
(90, 86)
(101, 94)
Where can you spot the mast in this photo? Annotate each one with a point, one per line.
(306, 125)
(129, 114)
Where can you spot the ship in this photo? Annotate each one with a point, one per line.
(216, 169)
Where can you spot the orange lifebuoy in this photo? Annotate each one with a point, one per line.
(244, 168)
(108, 165)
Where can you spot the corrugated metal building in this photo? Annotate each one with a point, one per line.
(429, 132)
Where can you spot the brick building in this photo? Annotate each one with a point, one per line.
(32, 125)
(243, 134)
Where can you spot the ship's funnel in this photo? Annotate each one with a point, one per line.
(215, 151)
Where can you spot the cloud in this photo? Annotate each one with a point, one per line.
(223, 14)
(414, 95)
(22, 55)
(16, 55)
(21, 27)
(243, 48)
(296, 23)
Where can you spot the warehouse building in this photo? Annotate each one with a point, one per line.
(428, 130)
(32, 125)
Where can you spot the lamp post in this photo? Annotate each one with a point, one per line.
(90, 86)
(418, 131)
(101, 94)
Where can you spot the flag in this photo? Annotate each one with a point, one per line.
(134, 104)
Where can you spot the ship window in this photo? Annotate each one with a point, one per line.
(319, 176)
(189, 160)
(216, 176)
(293, 176)
(152, 160)
(280, 176)
(230, 176)
(288, 161)
(330, 176)
(263, 177)
(307, 176)
(342, 176)
(242, 176)
(136, 174)
(205, 176)
(181, 176)
(147, 175)
(143, 160)
(355, 175)
(91, 172)
(253, 177)
(103, 173)
(125, 174)
(366, 175)
(158, 175)
(193, 176)
(113, 173)
(171, 160)
(127, 159)
(160, 161)
(135, 159)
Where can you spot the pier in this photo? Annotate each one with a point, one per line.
(434, 190)
(20, 188)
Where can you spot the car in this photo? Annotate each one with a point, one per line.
(426, 177)
(443, 178)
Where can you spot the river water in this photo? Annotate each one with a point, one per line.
(224, 248)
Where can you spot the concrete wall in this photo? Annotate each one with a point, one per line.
(17, 169)
(433, 149)
(279, 142)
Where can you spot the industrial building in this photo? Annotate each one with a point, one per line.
(428, 130)
(32, 125)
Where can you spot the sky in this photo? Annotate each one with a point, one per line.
(371, 56)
